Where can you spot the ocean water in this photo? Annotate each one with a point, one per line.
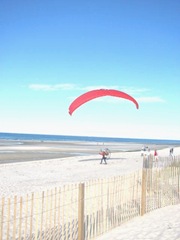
(46, 137)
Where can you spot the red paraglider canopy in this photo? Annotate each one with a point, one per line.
(99, 93)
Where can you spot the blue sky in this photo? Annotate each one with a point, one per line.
(53, 51)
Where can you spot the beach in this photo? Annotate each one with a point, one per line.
(31, 166)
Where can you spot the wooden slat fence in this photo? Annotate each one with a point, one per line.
(86, 210)
(49, 215)
(110, 202)
(162, 184)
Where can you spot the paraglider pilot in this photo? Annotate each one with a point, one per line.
(104, 156)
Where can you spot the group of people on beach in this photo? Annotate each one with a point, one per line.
(152, 159)
(145, 151)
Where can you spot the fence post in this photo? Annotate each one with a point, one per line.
(143, 189)
(81, 212)
(178, 183)
(2, 219)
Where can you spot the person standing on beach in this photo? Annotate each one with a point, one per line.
(171, 152)
(104, 154)
(142, 151)
(155, 155)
